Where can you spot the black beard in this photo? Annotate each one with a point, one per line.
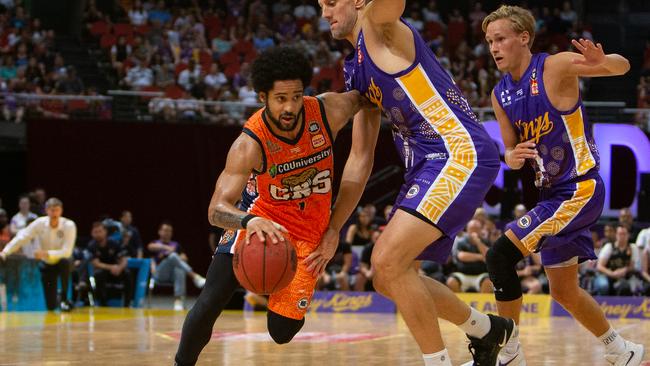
(279, 124)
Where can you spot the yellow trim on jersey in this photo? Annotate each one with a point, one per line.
(562, 216)
(575, 126)
(462, 153)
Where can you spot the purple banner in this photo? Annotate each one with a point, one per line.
(350, 302)
(347, 302)
(619, 307)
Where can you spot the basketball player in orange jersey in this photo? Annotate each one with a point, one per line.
(543, 121)
(450, 163)
(278, 182)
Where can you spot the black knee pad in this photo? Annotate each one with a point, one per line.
(501, 260)
(281, 328)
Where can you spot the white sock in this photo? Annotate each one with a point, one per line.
(437, 359)
(614, 343)
(477, 325)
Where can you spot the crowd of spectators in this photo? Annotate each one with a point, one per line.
(204, 50)
(200, 50)
(30, 63)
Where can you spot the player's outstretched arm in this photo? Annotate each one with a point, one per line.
(353, 181)
(365, 130)
(244, 156)
(590, 62)
(341, 107)
(516, 152)
(385, 11)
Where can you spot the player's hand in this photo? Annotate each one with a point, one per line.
(593, 53)
(263, 227)
(516, 157)
(318, 259)
(3, 256)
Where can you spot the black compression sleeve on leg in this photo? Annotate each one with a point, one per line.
(219, 287)
(281, 328)
(501, 260)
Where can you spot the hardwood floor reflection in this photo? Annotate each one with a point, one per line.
(104, 336)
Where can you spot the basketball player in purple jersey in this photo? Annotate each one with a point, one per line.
(450, 163)
(543, 121)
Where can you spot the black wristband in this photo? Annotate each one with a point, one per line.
(246, 219)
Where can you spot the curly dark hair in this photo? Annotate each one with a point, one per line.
(280, 63)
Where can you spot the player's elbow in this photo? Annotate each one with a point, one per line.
(619, 66)
(625, 66)
(213, 214)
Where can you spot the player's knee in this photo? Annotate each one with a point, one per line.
(283, 329)
(501, 260)
(386, 265)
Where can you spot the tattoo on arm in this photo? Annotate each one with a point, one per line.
(227, 220)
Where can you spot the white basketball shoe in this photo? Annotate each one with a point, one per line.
(632, 356)
(516, 358)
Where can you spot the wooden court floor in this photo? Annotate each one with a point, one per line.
(109, 336)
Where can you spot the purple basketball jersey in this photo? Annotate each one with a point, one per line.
(450, 160)
(412, 99)
(564, 141)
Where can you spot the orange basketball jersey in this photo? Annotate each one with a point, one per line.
(294, 187)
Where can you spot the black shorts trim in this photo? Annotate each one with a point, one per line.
(423, 218)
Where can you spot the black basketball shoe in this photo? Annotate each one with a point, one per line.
(485, 350)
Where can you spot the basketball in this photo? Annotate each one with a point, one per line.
(265, 267)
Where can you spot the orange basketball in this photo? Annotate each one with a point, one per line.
(264, 267)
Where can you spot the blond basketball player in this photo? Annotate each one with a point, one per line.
(543, 122)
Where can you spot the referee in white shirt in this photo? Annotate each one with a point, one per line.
(57, 236)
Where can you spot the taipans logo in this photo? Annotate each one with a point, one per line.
(413, 191)
(535, 129)
(524, 221)
(290, 166)
(374, 94)
(302, 185)
(303, 303)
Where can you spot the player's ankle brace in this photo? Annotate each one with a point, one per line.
(501, 260)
